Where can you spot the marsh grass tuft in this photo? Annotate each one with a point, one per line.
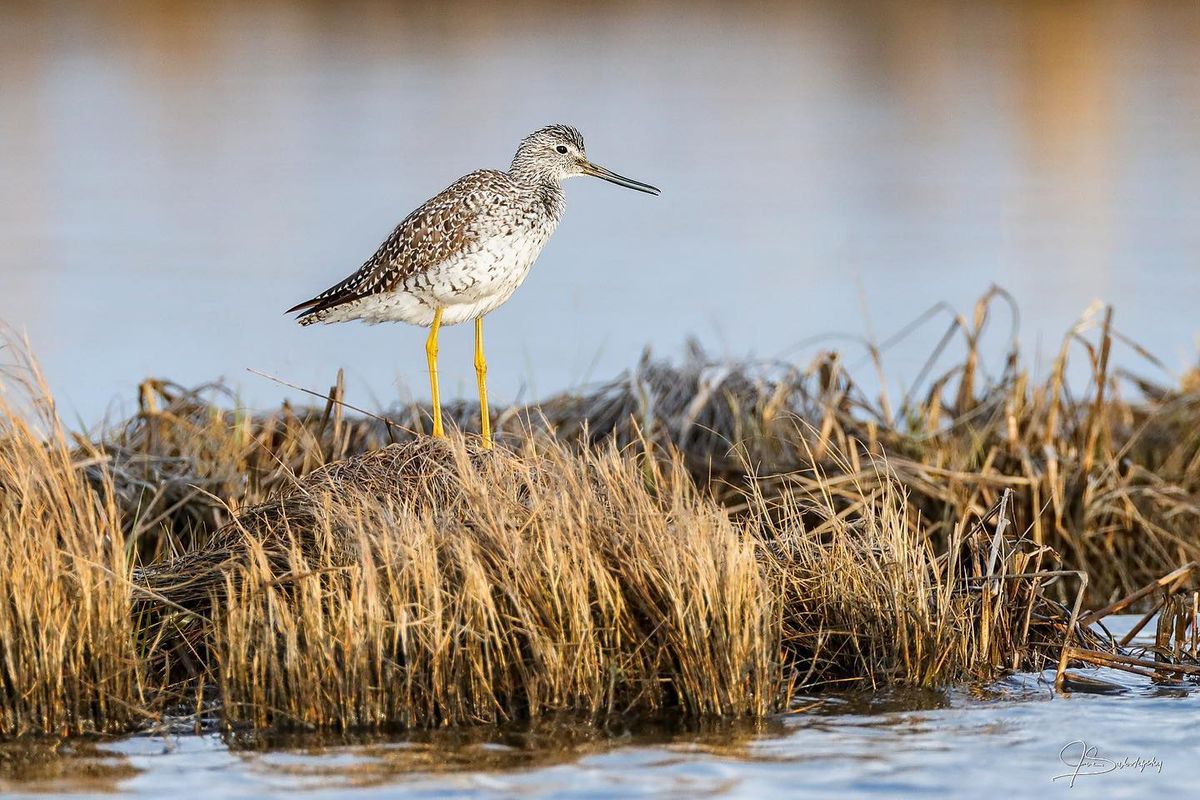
(430, 583)
(67, 658)
(702, 540)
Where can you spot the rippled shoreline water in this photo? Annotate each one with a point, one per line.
(1006, 740)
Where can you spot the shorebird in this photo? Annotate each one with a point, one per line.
(465, 251)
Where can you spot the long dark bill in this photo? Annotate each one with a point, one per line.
(597, 171)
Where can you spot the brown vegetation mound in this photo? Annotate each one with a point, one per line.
(431, 582)
(699, 539)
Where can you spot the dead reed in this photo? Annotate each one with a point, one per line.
(67, 657)
(430, 583)
(701, 539)
(1105, 470)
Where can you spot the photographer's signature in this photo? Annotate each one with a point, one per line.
(1085, 759)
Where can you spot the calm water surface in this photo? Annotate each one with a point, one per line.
(174, 175)
(1007, 741)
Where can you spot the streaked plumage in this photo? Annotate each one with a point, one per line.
(465, 251)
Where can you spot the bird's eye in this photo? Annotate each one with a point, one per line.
(562, 148)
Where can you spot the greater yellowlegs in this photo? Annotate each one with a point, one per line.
(465, 251)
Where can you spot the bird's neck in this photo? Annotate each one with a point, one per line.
(548, 189)
(553, 197)
(528, 169)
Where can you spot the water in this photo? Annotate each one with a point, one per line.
(174, 176)
(1012, 739)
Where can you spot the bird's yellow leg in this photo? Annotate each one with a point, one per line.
(431, 353)
(485, 419)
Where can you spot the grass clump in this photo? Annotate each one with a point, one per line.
(431, 583)
(697, 540)
(1104, 469)
(68, 662)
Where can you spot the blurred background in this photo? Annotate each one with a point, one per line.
(174, 175)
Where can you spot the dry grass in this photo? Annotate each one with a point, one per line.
(67, 658)
(1106, 471)
(700, 540)
(430, 583)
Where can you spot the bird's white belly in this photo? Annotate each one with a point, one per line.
(475, 282)
(465, 286)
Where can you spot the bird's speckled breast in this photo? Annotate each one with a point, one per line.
(483, 277)
(503, 245)
(465, 286)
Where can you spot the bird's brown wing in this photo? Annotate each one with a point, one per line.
(443, 226)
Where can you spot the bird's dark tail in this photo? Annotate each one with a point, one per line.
(309, 311)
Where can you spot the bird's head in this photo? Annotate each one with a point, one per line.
(555, 153)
